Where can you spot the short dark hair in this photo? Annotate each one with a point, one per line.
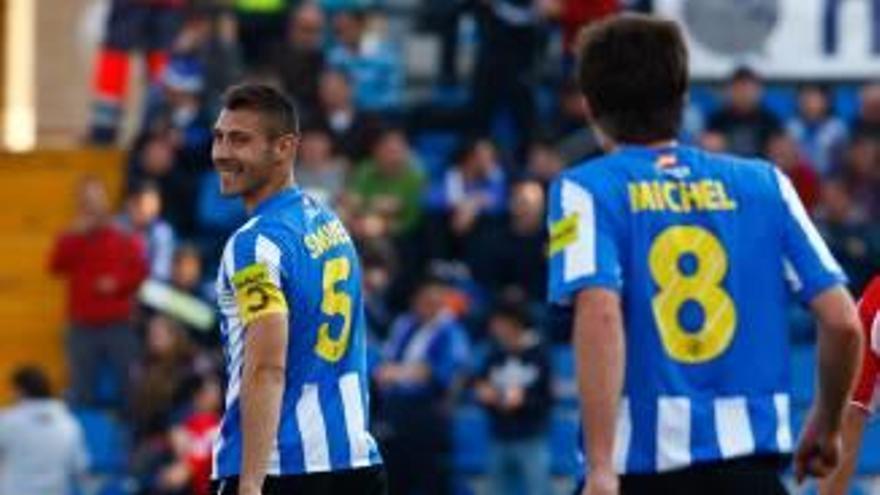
(268, 101)
(31, 382)
(634, 73)
(516, 312)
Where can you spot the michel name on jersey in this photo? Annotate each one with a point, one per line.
(679, 196)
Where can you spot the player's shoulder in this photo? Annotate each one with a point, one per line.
(740, 167)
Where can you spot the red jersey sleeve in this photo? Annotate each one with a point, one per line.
(866, 394)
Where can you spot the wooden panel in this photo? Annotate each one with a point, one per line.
(37, 191)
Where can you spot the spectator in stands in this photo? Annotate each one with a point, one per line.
(424, 358)
(192, 442)
(300, 60)
(853, 239)
(745, 123)
(514, 386)
(141, 216)
(471, 194)
(370, 62)
(103, 266)
(507, 64)
(149, 26)
(512, 258)
(380, 270)
(352, 130)
(160, 380)
(783, 151)
(819, 133)
(867, 123)
(544, 163)
(319, 170)
(42, 448)
(574, 140)
(262, 25)
(862, 170)
(212, 39)
(389, 185)
(573, 16)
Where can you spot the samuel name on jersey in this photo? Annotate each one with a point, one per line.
(294, 257)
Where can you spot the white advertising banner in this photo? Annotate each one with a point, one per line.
(817, 39)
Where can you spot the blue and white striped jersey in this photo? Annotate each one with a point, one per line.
(706, 251)
(295, 257)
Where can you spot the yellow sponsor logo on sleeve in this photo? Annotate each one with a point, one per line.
(256, 294)
(563, 233)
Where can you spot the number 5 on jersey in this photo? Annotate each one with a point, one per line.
(335, 303)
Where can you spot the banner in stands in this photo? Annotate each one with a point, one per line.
(782, 39)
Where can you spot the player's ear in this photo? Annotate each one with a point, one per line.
(286, 145)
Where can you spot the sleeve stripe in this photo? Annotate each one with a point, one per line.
(791, 275)
(579, 257)
(875, 334)
(269, 253)
(796, 208)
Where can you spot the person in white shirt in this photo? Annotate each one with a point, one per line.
(42, 448)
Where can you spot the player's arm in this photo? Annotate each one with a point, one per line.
(262, 389)
(599, 351)
(263, 309)
(585, 269)
(817, 279)
(837, 483)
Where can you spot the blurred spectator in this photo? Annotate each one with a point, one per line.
(544, 163)
(160, 380)
(262, 24)
(472, 190)
(141, 216)
(318, 171)
(512, 257)
(573, 15)
(820, 134)
(380, 270)
(149, 26)
(862, 170)
(216, 217)
(103, 266)
(853, 239)
(442, 18)
(389, 185)
(192, 443)
(42, 449)
(574, 139)
(186, 274)
(783, 151)
(713, 141)
(370, 62)
(154, 157)
(351, 129)
(212, 40)
(507, 65)
(745, 123)
(867, 123)
(514, 386)
(424, 357)
(300, 59)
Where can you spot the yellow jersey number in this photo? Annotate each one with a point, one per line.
(335, 303)
(702, 286)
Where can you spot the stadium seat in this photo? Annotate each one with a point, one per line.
(869, 459)
(107, 441)
(803, 369)
(845, 101)
(705, 98)
(435, 150)
(470, 436)
(782, 101)
(563, 440)
(564, 383)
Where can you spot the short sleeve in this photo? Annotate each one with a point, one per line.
(809, 265)
(583, 249)
(257, 276)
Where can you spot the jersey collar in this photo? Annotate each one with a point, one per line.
(277, 200)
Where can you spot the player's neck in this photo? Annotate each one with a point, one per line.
(258, 196)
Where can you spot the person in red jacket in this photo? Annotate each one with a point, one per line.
(103, 266)
(866, 396)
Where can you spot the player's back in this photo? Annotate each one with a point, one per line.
(699, 246)
(324, 409)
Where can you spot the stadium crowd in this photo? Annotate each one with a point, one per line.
(444, 196)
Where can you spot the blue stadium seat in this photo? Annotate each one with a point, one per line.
(564, 375)
(564, 432)
(803, 370)
(470, 436)
(782, 101)
(107, 441)
(845, 101)
(705, 98)
(869, 459)
(435, 150)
